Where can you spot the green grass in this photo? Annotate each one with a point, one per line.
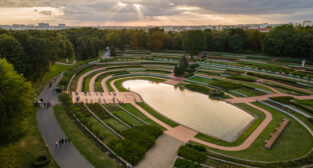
(24, 152)
(249, 92)
(293, 143)
(70, 60)
(54, 70)
(86, 146)
(260, 117)
(130, 108)
(127, 118)
(157, 115)
(285, 89)
(200, 79)
(119, 86)
(117, 126)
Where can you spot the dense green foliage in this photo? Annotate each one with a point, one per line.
(191, 154)
(194, 42)
(182, 67)
(31, 51)
(283, 99)
(198, 88)
(183, 163)
(16, 103)
(243, 78)
(226, 84)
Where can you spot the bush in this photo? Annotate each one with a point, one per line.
(216, 93)
(243, 78)
(150, 130)
(128, 150)
(183, 163)
(41, 161)
(198, 88)
(191, 154)
(226, 84)
(283, 99)
(139, 137)
(199, 148)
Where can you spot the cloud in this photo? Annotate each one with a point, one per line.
(193, 12)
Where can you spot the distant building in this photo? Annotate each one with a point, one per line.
(307, 23)
(43, 25)
(62, 26)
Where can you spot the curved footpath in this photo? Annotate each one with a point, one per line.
(67, 156)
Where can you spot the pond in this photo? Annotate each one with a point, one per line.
(192, 109)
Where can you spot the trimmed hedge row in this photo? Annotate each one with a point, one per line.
(243, 78)
(191, 154)
(283, 99)
(226, 84)
(269, 67)
(198, 88)
(183, 163)
(138, 140)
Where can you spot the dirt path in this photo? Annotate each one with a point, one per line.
(163, 153)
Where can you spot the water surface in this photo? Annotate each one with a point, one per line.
(215, 118)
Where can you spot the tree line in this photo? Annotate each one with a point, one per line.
(31, 51)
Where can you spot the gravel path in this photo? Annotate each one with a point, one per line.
(163, 153)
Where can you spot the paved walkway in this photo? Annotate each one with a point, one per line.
(163, 153)
(62, 63)
(67, 156)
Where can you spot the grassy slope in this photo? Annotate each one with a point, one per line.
(26, 151)
(85, 145)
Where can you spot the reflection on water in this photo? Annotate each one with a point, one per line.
(192, 109)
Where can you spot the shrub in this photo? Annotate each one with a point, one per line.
(226, 84)
(283, 99)
(128, 150)
(41, 161)
(243, 78)
(191, 154)
(199, 148)
(198, 88)
(183, 163)
(150, 130)
(216, 93)
(139, 137)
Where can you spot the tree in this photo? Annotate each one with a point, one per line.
(14, 110)
(194, 42)
(157, 40)
(11, 49)
(87, 47)
(220, 42)
(235, 43)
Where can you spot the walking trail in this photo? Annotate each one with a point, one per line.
(62, 63)
(67, 156)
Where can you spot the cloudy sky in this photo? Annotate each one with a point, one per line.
(154, 12)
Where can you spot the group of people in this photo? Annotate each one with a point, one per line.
(48, 104)
(61, 142)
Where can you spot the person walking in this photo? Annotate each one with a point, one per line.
(60, 142)
(68, 139)
(56, 144)
(65, 141)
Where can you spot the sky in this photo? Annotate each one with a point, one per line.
(154, 12)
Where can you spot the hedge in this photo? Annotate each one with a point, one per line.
(283, 99)
(183, 163)
(128, 150)
(139, 138)
(243, 78)
(191, 154)
(150, 130)
(226, 84)
(198, 88)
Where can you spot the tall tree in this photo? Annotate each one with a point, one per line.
(194, 42)
(14, 110)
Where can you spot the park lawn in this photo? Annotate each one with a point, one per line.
(130, 108)
(119, 86)
(127, 118)
(260, 117)
(54, 70)
(85, 145)
(116, 125)
(294, 142)
(157, 115)
(24, 152)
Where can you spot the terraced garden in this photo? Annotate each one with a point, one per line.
(129, 126)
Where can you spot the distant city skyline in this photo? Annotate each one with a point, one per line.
(154, 12)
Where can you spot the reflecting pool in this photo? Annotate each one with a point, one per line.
(194, 110)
